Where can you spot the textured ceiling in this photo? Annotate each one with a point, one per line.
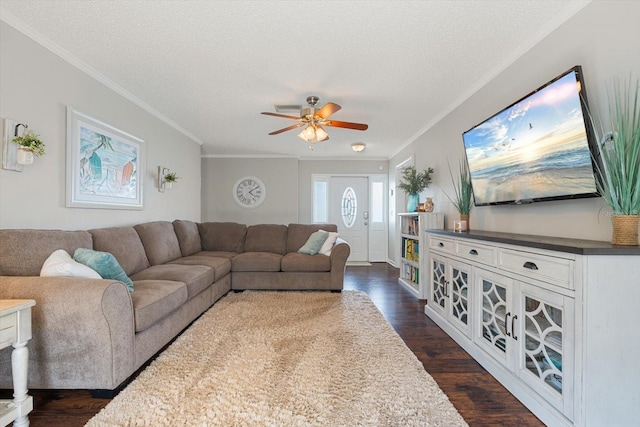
(211, 67)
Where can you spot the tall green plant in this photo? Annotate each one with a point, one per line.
(619, 175)
(463, 200)
(415, 182)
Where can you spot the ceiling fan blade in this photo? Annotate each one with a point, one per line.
(281, 115)
(327, 110)
(287, 128)
(347, 125)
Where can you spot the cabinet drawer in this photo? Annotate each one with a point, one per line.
(475, 252)
(7, 330)
(555, 270)
(443, 245)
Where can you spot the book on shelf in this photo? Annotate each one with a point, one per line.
(411, 249)
(410, 225)
(411, 273)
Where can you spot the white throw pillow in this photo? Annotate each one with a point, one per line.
(328, 244)
(60, 263)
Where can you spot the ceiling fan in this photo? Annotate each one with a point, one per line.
(314, 119)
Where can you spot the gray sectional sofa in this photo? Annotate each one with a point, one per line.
(94, 333)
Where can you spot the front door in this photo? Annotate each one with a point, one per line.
(349, 209)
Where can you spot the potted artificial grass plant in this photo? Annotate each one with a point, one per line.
(463, 198)
(619, 172)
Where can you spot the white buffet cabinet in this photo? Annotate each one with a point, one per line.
(556, 321)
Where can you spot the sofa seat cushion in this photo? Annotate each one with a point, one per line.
(256, 261)
(160, 241)
(219, 254)
(155, 299)
(296, 261)
(221, 266)
(196, 277)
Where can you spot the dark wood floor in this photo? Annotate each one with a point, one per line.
(481, 400)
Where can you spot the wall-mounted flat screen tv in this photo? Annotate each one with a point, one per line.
(537, 149)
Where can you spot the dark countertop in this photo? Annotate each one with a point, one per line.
(560, 244)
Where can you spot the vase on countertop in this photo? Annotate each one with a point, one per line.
(465, 217)
(625, 230)
(412, 202)
(428, 205)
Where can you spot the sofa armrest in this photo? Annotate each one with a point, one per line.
(83, 332)
(339, 254)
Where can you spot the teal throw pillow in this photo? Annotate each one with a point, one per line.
(314, 243)
(104, 263)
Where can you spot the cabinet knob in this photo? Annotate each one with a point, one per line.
(441, 245)
(530, 265)
(473, 252)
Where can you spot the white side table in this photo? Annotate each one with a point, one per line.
(15, 330)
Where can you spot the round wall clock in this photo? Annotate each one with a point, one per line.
(249, 192)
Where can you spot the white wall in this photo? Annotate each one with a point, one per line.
(35, 88)
(330, 167)
(288, 182)
(280, 176)
(603, 38)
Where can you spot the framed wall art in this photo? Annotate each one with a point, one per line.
(105, 166)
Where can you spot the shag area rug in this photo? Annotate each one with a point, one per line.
(285, 359)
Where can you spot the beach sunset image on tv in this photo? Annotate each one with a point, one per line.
(535, 149)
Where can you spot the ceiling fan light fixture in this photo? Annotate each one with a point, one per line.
(312, 119)
(321, 134)
(309, 133)
(313, 133)
(358, 147)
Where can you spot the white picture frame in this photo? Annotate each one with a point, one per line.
(105, 165)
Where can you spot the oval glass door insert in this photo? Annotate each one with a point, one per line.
(349, 207)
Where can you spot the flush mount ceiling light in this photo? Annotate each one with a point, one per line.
(358, 146)
(313, 119)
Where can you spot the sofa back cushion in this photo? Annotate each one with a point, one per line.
(23, 252)
(123, 243)
(266, 238)
(298, 234)
(160, 241)
(188, 236)
(222, 236)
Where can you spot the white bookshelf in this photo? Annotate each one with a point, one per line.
(413, 249)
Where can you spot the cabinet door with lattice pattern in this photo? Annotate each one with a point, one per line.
(459, 291)
(494, 317)
(545, 355)
(437, 298)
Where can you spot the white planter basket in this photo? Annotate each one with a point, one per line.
(24, 157)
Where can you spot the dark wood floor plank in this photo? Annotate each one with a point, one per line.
(480, 399)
